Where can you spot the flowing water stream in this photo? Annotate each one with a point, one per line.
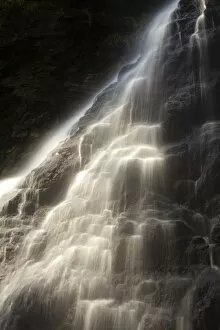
(199, 37)
(88, 264)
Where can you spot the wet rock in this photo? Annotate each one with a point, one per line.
(183, 190)
(155, 247)
(200, 223)
(56, 190)
(11, 208)
(126, 229)
(29, 311)
(146, 289)
(175, 167)
(158, 321)
(212, 207)
(119, 256)
(178, 256)
(215, 255)
(206, 301)
(198, 251)
(209, 182)
(199, 241)
(172, 290)
(215, 234)
(29, 208)
(182, 229)
(181, 110)
(195, 221)
(52, 179)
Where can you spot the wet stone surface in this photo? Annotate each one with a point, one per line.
(132, 240)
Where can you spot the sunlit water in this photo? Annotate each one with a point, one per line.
(8, 186)
(71, 272)
(199, 38)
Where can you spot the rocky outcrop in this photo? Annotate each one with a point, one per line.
(166, 247)
(54, 56)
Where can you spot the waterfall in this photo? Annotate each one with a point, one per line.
(105, 257)
(200, 23)
(7, 186)
(199, 37)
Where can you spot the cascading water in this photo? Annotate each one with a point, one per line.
(8, 185)
(68, 260)
(105, 257)
(200, 23)
(199, 37)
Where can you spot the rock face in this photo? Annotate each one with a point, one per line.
(166, 247)
(54, 56)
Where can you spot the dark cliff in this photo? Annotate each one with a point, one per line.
(54, 56)
(187, 193)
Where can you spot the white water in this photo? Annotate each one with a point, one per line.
(56, 137)
(200, 23)
(200, 38)
(67, 262)
(10, 184)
